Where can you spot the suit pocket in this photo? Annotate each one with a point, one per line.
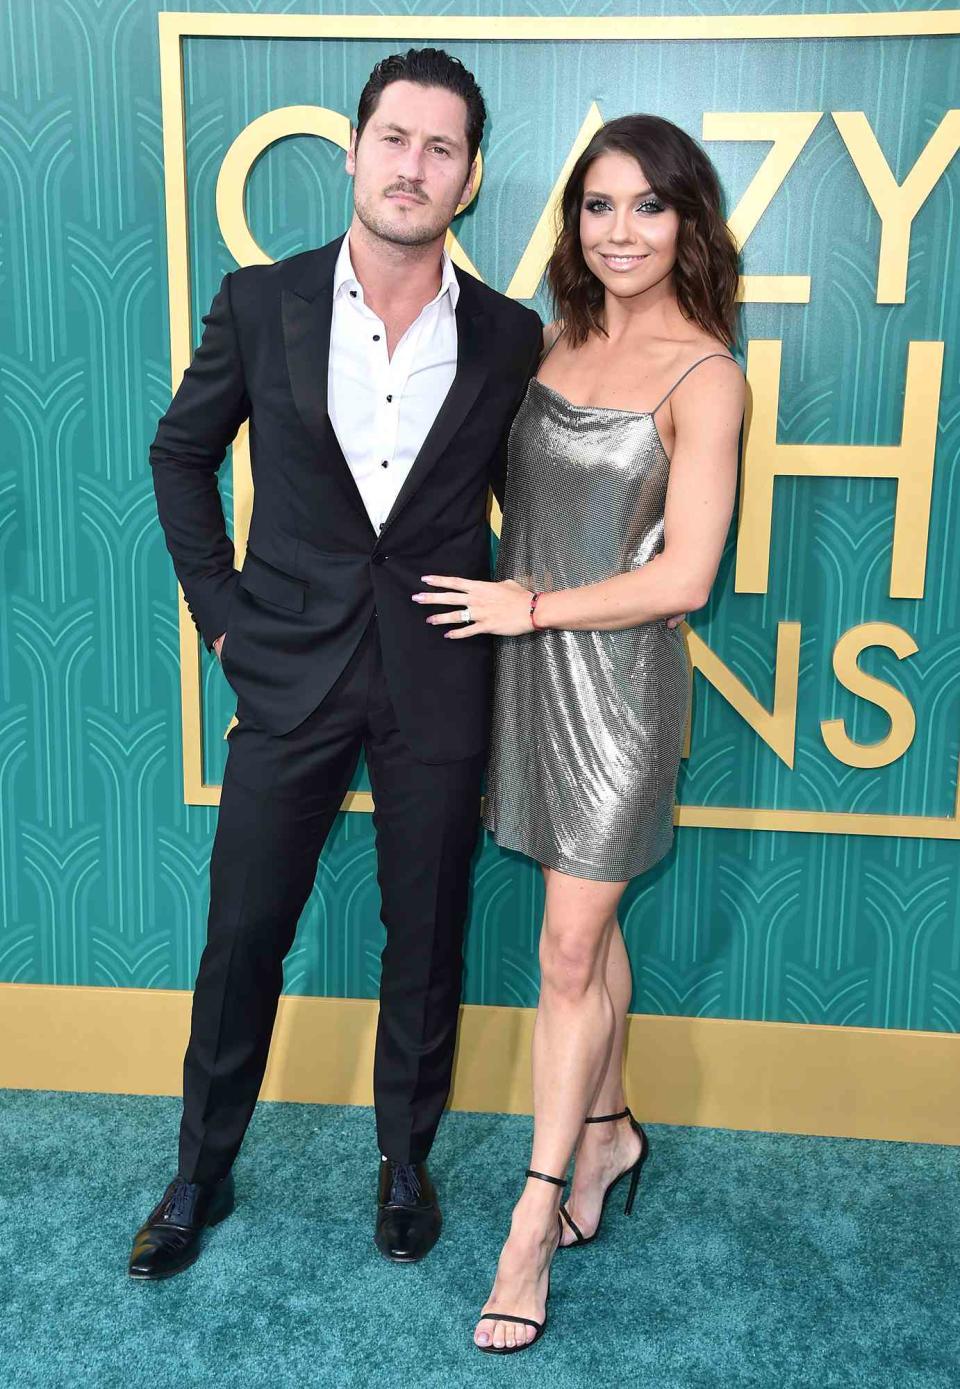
(271, 585)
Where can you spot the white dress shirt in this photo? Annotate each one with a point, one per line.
(382, 408)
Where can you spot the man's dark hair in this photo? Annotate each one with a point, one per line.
(428, 67)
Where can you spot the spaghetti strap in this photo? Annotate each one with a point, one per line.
(687, 373)
(546, 353)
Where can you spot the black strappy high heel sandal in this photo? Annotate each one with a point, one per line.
(632, 1172)
(538, 1326)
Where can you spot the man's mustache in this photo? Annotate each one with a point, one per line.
(410, 192)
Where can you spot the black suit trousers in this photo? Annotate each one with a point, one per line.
(279, 799)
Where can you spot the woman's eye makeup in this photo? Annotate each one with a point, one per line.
(599, 205)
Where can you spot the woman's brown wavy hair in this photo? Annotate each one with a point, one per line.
(707, 267)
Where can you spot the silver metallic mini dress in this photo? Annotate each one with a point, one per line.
(588, 727)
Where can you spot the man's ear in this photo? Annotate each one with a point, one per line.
(351, 160)
(470, 184)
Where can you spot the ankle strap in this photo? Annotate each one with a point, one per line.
(542, 1176)
(609, 1118)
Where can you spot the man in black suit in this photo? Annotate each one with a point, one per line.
(379, 383)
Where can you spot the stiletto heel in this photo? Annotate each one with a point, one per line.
(634, 1181)
(633, 1172)
(539, 1327)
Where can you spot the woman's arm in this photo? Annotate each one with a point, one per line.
(698, 508)
(707, 411)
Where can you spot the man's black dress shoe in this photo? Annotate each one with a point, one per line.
(169, 1239)
(408, 1216)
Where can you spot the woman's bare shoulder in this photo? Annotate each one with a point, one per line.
(718, 362)
(716, 390)
(703, 345)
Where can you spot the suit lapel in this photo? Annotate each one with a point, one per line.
(307, 312)
(471, 373)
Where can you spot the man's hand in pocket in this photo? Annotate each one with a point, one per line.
(218, 644)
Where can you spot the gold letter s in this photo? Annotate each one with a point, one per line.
(903, 721)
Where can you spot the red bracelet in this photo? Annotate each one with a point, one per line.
(533, 608)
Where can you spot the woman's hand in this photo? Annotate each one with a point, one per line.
(500, 609)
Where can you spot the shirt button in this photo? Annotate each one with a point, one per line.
(389, 398)
(353, 294)
(376, 337)
(385, 463)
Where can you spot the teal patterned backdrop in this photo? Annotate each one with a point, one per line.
(102, 865)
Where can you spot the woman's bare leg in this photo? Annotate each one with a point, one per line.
(605, 1150)
(573, 1036)
(609, 1098)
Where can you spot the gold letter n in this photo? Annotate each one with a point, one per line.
(910, 462)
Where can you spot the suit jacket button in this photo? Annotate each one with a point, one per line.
(380, 559)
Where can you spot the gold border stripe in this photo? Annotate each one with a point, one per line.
(175, 26)
(468, 27)
(173, 120)
(818, 821)
(847, 1082)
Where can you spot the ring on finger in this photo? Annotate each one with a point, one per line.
(465, 615)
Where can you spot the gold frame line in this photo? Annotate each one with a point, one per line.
(174, 26)
(519, 28)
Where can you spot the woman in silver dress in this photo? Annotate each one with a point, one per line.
(622, 469)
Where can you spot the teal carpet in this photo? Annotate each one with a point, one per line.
(750, 1259)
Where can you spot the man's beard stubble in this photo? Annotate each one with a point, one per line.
(396, 233)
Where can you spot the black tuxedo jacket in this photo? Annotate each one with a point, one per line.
(315, 569)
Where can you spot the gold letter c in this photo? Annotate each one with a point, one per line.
(240, 158)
